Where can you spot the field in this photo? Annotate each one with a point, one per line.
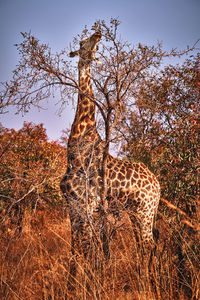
(35, 263)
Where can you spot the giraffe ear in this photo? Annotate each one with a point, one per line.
(72, 53)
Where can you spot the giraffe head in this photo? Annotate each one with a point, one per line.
(88, 48)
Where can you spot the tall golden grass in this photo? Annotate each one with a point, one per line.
(35, 265)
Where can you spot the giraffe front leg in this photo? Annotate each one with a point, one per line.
(71, 284)
(80, 247)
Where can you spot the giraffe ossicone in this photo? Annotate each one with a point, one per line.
(132, 185)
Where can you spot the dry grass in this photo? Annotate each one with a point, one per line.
(36, 264)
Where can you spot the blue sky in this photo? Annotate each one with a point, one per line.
(56, 22)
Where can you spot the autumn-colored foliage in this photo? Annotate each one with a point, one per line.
(30, 170)
(163, 132)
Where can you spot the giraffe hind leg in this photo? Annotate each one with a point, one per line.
(143, 228)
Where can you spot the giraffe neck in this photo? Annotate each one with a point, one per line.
(84, 121)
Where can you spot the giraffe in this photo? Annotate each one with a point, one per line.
(132, 185)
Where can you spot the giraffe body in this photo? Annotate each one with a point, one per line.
(136, 191)
(131, 185)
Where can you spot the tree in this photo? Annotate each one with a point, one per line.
(39, 73)
(30, 170)
(163, 131)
